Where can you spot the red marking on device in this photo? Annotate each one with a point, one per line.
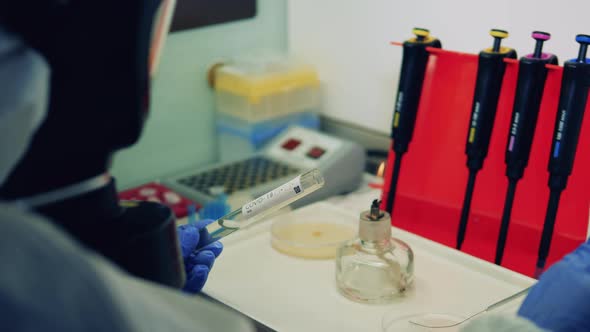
(291, 144)
(316, 152)
(434, 175)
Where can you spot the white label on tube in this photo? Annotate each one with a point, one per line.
(272, 198)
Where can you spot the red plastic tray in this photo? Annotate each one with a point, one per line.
(156, 192)
(434, 174)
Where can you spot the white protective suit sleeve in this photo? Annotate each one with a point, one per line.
(501, 323)
(48, 282)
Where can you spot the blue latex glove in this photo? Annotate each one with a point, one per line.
(560, 301)
(197, 265)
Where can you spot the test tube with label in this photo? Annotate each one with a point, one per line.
(264, 205)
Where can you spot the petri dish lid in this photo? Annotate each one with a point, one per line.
(437, 322)
(261, 76)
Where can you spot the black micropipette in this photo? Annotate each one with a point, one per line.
(568, 123)
(532, 73)
(415, 59)
(490, 73)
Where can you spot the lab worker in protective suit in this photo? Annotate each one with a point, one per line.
(48, 280)
(100, 57)
(60, 272)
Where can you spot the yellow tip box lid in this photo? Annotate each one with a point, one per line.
(255, 79)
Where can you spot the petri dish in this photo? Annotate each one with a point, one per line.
(312, 237)
(431, 322)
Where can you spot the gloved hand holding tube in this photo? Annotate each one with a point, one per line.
(199, 240)
(197, 264)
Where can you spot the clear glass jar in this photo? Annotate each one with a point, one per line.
(375, 267)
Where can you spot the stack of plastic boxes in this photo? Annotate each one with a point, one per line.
(256, 99)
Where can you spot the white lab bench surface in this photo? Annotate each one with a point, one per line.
(294, 294)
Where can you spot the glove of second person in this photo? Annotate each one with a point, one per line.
(560, 301)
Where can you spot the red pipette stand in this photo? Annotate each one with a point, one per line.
(434, 174)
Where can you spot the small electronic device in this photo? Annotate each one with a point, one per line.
(293, 152)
